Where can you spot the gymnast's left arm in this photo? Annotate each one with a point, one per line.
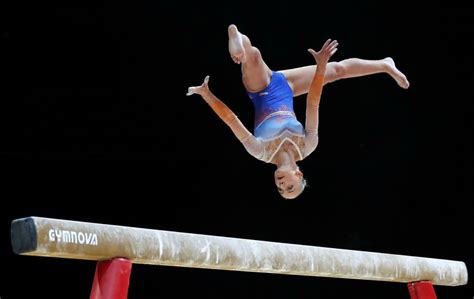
(253, 146)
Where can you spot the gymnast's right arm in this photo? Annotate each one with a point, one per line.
(251, 144)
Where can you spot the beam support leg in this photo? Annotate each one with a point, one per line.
(421, 290)
(111, 279)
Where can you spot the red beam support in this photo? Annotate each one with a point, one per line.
(421, 290)
(111, 279)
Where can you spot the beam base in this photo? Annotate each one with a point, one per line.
(421, 290)
(111, 279)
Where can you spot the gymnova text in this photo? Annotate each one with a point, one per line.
(69, 236)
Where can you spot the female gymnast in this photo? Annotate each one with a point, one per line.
(279, 138)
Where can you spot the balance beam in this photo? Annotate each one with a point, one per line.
(37, 236)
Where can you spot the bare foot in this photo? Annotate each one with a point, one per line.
(236, 45)
(396, 74)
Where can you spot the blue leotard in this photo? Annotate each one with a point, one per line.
(275, 120)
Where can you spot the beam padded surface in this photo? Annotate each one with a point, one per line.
(58, 238)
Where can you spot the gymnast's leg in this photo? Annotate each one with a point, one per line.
(256, 75)
(300, 78)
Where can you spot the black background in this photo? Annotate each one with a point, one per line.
(95, 92)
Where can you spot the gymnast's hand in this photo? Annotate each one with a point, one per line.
(204, 88)
(323, 55)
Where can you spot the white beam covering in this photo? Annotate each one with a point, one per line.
(38, 236)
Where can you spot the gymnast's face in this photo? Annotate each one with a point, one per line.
(289, 183)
